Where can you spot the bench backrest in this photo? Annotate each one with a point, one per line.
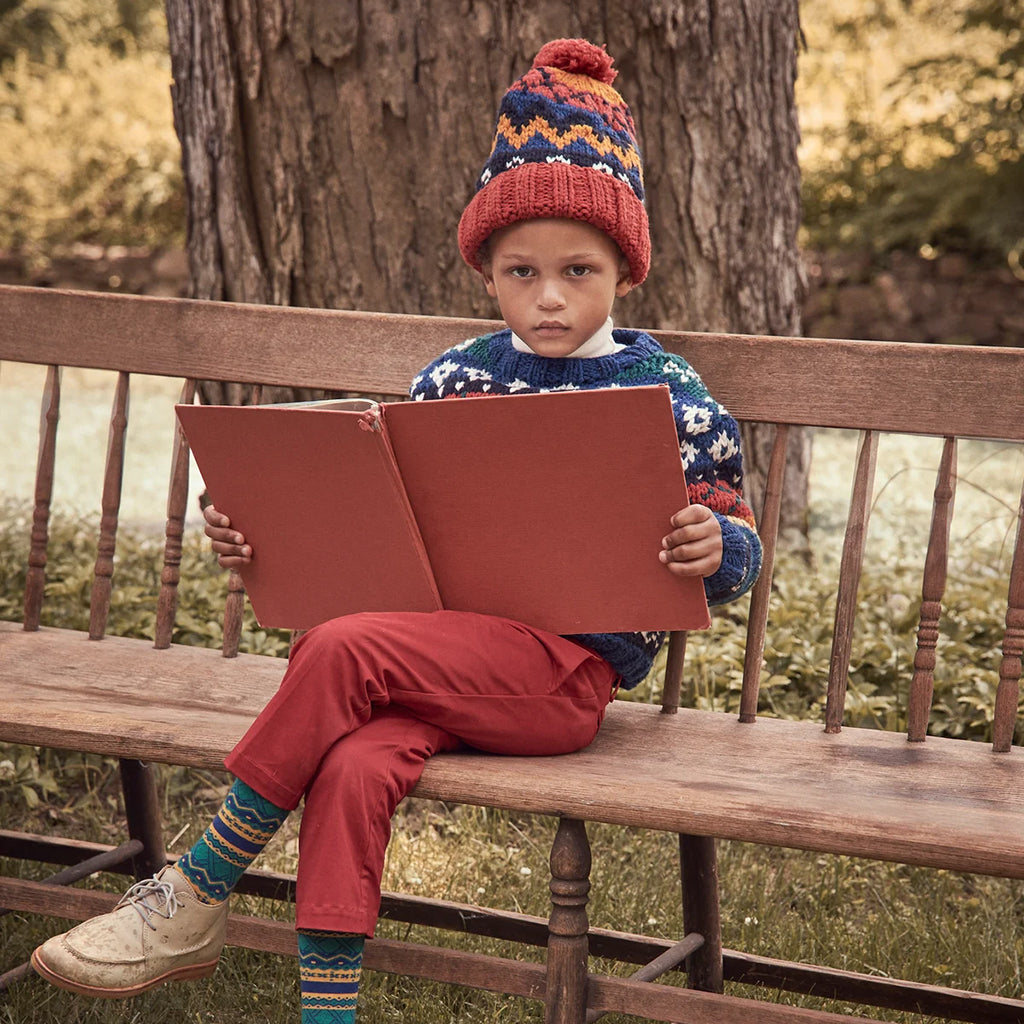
(949, 392)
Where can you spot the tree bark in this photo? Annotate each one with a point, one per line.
(329, 149)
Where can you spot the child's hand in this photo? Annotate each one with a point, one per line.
(694, 547)
(229, 545)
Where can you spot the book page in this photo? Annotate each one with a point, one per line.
(550, 508)
(317, 496)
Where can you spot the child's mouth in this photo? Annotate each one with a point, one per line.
(550, 328)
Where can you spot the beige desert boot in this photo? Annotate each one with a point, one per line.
(160, 931)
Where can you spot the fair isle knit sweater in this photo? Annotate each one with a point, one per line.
(708, 443)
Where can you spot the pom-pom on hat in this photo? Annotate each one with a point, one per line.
(564, 146)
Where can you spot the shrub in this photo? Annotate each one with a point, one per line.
(89, 153)
(136, 583)
(912, 126)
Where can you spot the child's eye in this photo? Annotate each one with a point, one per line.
(520, 272)
(578, 270)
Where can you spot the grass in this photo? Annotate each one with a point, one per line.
(856, 915)
(931, 926)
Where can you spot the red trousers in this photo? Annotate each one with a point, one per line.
(367, 698)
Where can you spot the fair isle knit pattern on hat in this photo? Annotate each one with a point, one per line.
(709, 444)
(564, 146)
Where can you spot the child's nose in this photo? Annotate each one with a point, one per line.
(551, 295)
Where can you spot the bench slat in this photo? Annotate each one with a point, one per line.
(234, 601)
(49, 419)
(757, 620)
(864, 792)
(933, 587)
(226, 341)
(174, 531)
(99, 603)
(910, 388)
(849, 579)
(916, 389)
(1008, 690)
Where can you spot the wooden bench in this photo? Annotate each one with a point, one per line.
(942, 803)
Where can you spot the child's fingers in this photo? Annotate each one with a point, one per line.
(215, 518)
(224, 535)
(692, 559)
(692, 515)
(695, 534)
(230, 555)
(228, 544)
(698, 567)
(694, 547)
(227, 562)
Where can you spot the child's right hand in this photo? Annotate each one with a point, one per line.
(229, 545)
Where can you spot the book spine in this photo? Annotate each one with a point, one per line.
(375, 421)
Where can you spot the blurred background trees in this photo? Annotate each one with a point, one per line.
(913, 121)
(88, 153)
(910, 110)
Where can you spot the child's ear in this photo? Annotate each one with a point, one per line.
(624, 285)
(487, 273)
(488, 276)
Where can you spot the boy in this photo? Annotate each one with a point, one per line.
(558, 231)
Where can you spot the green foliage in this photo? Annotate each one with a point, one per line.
(44, 28)
(796, 661)
(924, 149)
(136, 584)
(88, 152)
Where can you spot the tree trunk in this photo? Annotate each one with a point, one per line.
(329, 149)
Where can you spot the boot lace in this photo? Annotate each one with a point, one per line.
(150, 897)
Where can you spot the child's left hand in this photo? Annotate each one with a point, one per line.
(694, 547)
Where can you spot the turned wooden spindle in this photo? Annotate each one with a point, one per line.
(99, 604)
(849, 580)
(1008, 690)
(568, 946)
(757, 620)
(177, 504)
(234, 603)
(933, 587)
(674, 661)
(35, 581)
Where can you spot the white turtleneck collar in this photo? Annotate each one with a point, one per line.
(600, 343)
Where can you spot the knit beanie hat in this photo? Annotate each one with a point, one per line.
(564, 146)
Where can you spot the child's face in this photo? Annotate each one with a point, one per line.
(555, 281)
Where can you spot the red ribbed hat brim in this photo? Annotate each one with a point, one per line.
(543, 190)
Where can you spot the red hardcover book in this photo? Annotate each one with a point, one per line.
(546, 508)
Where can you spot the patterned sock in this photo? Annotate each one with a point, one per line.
(329, 968)
(242, 827)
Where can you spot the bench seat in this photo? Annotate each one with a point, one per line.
(863, 792)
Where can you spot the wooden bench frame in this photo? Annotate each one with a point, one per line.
(84, 692)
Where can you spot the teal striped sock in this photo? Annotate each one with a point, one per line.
(329, 967)
(240, 830)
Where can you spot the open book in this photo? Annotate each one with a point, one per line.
(545, 508)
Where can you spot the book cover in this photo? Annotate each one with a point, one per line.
(546, 508)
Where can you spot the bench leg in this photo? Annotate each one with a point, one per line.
(566, 993)
(142, 808)
(698, 862)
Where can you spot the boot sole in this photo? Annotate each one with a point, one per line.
(189, 973)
